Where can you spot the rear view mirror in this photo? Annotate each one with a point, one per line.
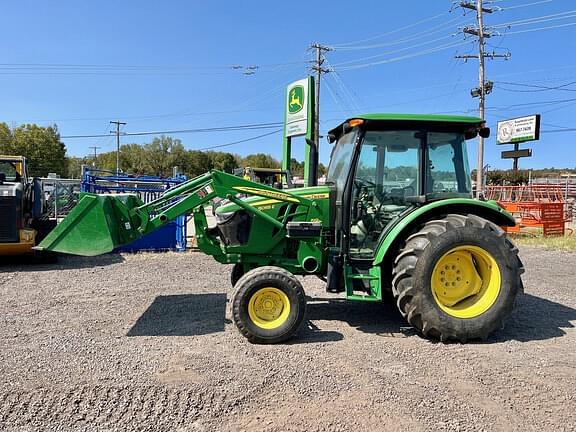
(484, 132)
(397, 148)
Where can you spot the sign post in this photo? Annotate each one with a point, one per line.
(299, 121)
(515, 131)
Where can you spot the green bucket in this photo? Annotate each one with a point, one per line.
(98, 224)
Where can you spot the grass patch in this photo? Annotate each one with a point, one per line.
(566, 243)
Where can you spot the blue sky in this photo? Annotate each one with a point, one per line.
(168, 65)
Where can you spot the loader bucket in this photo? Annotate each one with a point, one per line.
(96, 225)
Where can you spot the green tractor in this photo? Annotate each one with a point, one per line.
(395, 219)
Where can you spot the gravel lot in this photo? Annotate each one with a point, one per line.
(145, 342)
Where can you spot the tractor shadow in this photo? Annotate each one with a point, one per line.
(382, 319)
(182, 315)
(535, 318)
(29, 263)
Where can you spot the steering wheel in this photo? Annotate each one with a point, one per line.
(409, 191)
(360, 183)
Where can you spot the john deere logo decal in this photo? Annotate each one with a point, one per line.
(295, 99)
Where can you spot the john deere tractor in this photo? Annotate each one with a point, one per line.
(396, 217)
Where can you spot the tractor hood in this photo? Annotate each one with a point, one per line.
(320, 194)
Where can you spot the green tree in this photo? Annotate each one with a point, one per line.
(133, 159)
(296, 168)
(260, 160)
(74, 166)
(5, 138)
(162, 154)
(198, 163)
(40, 145)
(223, 161)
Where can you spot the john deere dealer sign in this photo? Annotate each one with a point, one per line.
(519, 129)
(297, 108)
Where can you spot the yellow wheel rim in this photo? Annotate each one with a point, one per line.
(269, 308)
(466, 281)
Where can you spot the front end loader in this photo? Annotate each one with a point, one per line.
(395, 219)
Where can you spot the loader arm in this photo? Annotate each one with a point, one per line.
(101, 223)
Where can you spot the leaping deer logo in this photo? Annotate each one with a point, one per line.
(295, 100)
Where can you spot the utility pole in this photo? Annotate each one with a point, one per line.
(95, 154)
(117, 132)
(485, 87)
(316, 136)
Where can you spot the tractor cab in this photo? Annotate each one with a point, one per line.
(12, 169)
(384, 166)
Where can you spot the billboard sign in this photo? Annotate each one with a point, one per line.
(297, 101)
(519, 130)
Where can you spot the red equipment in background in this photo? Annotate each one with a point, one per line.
(534, 206)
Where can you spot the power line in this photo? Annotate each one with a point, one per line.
(542, 28)
(536, 88)
(407, 56)
(240, 141)
(523, 5)
(138, 67)
(174, 131)
(335, 46)
(537, 20)
(424, 34)
(429, 41)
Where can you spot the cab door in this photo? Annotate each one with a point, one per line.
(385, 174)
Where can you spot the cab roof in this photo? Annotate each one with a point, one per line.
(412, 120)
(11, 158)
(419, 118)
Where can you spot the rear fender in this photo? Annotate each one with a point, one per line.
(392, 241)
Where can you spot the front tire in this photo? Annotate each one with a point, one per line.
(268, 305)
(457, 278)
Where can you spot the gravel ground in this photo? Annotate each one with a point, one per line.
(145, 342)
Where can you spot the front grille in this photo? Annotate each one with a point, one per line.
(9, 215)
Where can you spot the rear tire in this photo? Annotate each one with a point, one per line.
(457, 278)
(268, 305)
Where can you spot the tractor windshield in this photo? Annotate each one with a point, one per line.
(8, 171)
